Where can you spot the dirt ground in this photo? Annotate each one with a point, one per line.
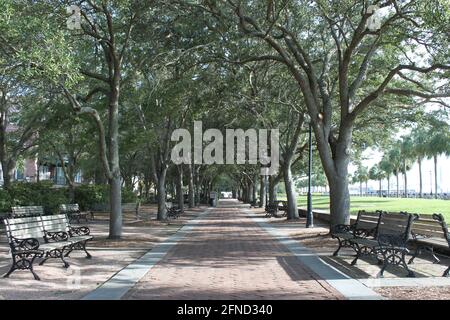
(84, 275)
(415, 293)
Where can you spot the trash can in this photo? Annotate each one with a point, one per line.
(213, 199)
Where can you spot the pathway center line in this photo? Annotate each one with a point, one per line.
(119, 284)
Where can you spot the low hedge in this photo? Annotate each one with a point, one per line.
(50, 197)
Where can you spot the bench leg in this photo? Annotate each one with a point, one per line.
(358, 250)
(436, 259)
(88, 255)
(69, 251)
(56, 253)
(416, 253)
(79, 246)
(339, 248)
(25, 262)
(394, 257)
(446, 272)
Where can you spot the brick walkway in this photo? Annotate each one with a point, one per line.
(228, 256)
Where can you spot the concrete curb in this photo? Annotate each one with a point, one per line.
(350, 288)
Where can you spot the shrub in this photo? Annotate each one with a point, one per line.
(50, 197)
(90, 196)
(37, 194)
(5, 201)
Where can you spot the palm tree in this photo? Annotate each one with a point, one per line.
(361, 175)
(439, 143)
(386, 165)
(406, 153)
(420, 141)
(396, 162)
(377, 174)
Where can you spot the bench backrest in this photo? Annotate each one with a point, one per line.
(27, 211)
(396, 224)
(434, 227)
(69, 208)
(23, 228)
(368, 220)
(55, 223)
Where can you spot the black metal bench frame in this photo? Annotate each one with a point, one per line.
(271, 210)
(58, 243)
(360, 228)
(389, 246)
(424, 242)
(173, 211)
(74, 213)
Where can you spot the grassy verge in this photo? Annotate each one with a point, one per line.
(421, 206)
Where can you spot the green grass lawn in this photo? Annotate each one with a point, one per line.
(420, 206)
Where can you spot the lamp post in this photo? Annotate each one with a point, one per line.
(266, 188)
(309, 214)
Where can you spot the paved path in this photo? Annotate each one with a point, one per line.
(226, 255)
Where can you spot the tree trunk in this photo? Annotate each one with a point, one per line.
(405, 177)
(115, 221)
(435, 177)
(420, 177)
(360, 188)
(262, 191)
(180, 188)
(115, 224)
(191, 194)
(272, 190)
(71, 192)
(8, 172)
(380, 195)
(162, 211)
(339, 200)
(389, 185)
(197, 186)
(255, 190)
(398, 191)
(292, 212)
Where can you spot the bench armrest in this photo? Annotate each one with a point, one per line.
(79, 231)
(363, 233)
(24, 245)
(342, 228)
(56, 236)
(391, 240)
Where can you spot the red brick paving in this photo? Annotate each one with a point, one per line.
(228, 256)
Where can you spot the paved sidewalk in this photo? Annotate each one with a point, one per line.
(227, 255)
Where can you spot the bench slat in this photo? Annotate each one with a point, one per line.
(22, 234)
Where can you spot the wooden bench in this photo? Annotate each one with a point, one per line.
(365, 226)
(74, 213)
(283, 208)
(272, 210)
(172, 211)
(390, 243)
(43, 237)
(429, 234)
(26, 211)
